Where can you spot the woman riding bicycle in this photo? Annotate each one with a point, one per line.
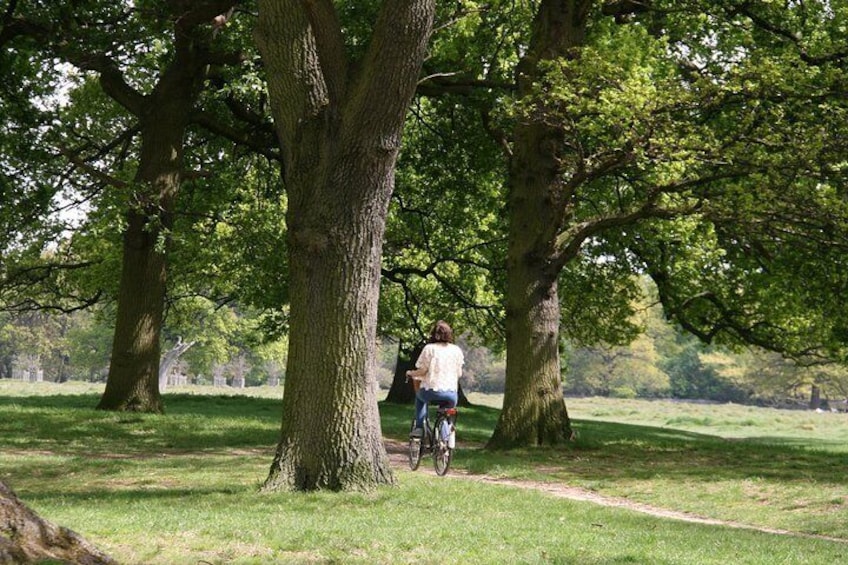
(438, 368)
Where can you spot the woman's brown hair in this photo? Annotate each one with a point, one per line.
(441, 333)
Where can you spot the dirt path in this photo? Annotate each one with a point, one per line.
(398, 458)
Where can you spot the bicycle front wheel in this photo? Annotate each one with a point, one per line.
(416, 451)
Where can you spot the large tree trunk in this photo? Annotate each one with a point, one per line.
(27, 538)
(534, 411)
(340, 133)
(133, 381)
(331, 435)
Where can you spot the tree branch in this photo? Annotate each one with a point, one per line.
(264, 147)
(93, 171)
(391, 65)
(191, 13)
(111, 79)
(443, 84)
(793, 37)
(25, 279)
(324, 24)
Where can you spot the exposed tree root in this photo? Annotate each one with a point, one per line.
(27, 538)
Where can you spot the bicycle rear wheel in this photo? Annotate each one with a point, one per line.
(442, 452)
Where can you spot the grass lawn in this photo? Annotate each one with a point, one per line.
(183, 487)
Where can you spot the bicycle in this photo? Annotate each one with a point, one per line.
(440, 440)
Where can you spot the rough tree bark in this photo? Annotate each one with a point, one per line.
(27, 538)
(339, 125)
(534, 410)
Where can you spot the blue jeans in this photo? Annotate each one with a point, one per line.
(445, 398)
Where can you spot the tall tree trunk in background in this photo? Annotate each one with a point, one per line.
(133, 381)
(534, 411)
(815, 397)
(401, 391)
(340, 127)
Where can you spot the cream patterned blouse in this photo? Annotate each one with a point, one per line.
(443, 363)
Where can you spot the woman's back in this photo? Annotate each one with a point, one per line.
(443, 363)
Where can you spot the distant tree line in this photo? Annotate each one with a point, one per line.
(76, 346)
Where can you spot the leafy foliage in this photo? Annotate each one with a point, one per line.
(705, 148)
(703, 143)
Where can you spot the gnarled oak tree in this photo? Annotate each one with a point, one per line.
(339, 122)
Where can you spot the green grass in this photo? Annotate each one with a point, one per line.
(183, 487)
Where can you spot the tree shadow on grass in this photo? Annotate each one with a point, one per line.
(55, 401)
(85, 478)
(68, 425)
(128, 495)
(616, 451)
(180, 403)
